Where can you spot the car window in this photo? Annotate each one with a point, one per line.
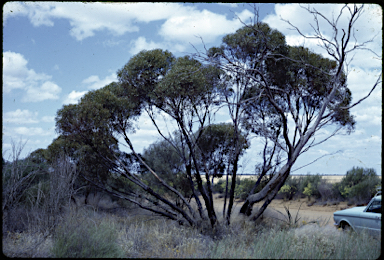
(375, 207)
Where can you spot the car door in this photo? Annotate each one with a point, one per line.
(371, 217)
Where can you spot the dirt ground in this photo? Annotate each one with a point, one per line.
(321, 213)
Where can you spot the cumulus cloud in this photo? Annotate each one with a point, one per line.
(94, 82)
(16, 75)
(360, 82)
(26, 131)
(86, 19)
(141, 44)
(188, 27)
(368, 115)
(48, 90)
(20, 117)
(91, 83)
(74, 97)
(182, 23)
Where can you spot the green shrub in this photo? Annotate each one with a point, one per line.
(308, 191)
(314, 180)
(82, 237)
(359, 184)
(288, 191)
(219, 186)
(243, 188)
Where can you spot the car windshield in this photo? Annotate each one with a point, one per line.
(375, 207)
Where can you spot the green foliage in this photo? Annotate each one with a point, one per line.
(308, 191)
(314, 85)
(359, 184)
(216, 144)
(311, 182)
(288, 191)
(140, 76)
(81, 237)
(243, 188)
(88, 130)
(169, 165)
(219, 186)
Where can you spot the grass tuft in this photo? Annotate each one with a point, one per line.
(80, 236)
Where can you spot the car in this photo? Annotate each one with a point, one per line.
(361, 218)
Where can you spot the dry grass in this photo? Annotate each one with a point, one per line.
(27, 245)
(144, 236)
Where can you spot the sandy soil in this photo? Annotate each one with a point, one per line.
(322, 214)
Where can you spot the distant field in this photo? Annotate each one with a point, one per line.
(329, 178)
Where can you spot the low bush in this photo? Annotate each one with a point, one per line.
(80, 236)
(328, 191)
(243, 188)
(359, 185)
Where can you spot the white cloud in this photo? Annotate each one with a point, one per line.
(361, 80)
(86, 19)
(368, 115)
(13, 9)
(188, 27)
(146, 133)
(48, 119)
(229, 4)
(94, 82)
(16, 75)
(20, 117)
(91, 83)
(15, 71)
(141, 44)
(91, 79)
(48, 90)
(74, 97)
(322, 152)
(182, 23)
(26, 131)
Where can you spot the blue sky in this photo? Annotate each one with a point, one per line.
(54, 52)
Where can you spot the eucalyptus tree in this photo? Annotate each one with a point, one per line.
(151, 82)
(286, 94)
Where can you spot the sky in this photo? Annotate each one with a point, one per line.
(55, 52)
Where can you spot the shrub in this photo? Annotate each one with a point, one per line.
(219, 186)
(328, 191)
(81, 237)
(308, 191)
(359, 184)
(243, 188)
(288, 191)
(314, 180)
